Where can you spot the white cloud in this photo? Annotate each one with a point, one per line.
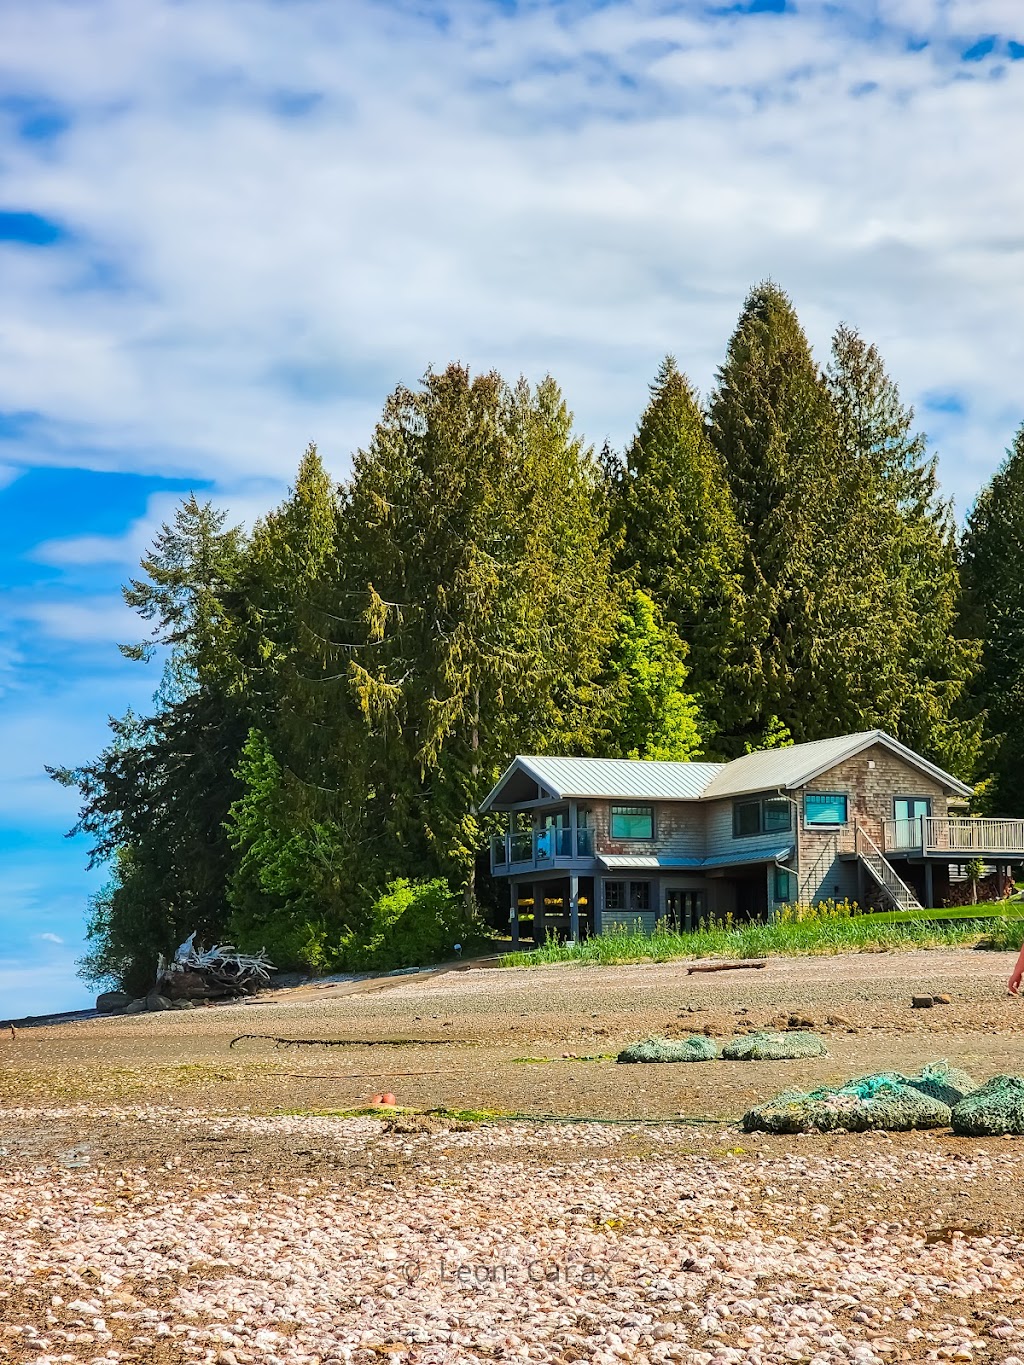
(546, 189)
(96, 620)
(50, 938)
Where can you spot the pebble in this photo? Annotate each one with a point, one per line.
(586, 1256)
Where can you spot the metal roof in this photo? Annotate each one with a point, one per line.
(634, 779)
(626, 778)
(773, 769)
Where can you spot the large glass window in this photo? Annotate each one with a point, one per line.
(765, 815)
(632, 822)
(825, 808)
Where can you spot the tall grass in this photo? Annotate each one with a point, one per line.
(792, 937)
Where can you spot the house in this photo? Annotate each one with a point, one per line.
(595, 843)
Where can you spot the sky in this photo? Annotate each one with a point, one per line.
(230, 227)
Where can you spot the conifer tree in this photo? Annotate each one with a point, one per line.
(675, 530)
(993, 580)
(772, 425)
(155, 800)
(473, 531)
(902, 556)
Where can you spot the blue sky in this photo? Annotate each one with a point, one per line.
(229, 228)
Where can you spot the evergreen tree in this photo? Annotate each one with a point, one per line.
(772, 425)
(653, 714)
(473, 526)
(674, 527)
(901, 548)
(155, 800)
(993, 579)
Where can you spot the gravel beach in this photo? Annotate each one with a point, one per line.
(166, 1198)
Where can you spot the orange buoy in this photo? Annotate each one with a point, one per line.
(388, 1099)
(376, 1101)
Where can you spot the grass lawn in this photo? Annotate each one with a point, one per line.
(993, 926)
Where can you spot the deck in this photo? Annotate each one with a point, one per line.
(956, 839)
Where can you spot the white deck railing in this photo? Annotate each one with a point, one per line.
(970, 835)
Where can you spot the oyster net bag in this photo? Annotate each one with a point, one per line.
(696, 1049)
(773, 1047)
(994, 1110)
(887, 1102)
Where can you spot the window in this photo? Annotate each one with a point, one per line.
(777, 815)
(767, 815)
(632, 822)
(627, 896)
(639, 895)
(781, 884)
(912, 807)
(825, 808)
(746, 818)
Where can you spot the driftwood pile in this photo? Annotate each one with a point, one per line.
(195, 976)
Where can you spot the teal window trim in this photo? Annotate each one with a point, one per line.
(635, 813)
(826, 799)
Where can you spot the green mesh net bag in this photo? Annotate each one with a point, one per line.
(995, 1109)
(946, 1083)
(695, 1049)
(773, 1047)
(884, 1103)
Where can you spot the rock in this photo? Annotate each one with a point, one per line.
(155, 1003)
(921, 1002)
(801, 1021)
(136, 1007)
(183, 1005)
(184, 986)
(837, 1021)
(942, 1000)
(113, 1002)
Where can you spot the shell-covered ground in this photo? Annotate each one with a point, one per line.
(166, 1198)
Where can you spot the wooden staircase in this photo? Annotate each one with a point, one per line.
(889, 880)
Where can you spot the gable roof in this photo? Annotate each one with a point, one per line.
(765, 770)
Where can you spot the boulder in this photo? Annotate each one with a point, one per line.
(113, 1002)
(184, 986)
(136, 1007)
(183, 1005)
(155, 1003)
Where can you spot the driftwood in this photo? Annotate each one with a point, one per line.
(727, 966)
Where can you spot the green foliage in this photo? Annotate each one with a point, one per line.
(155, 800)
(993, 586)
(863, 933)
(285, 876)
(651, 712)
(674, 526)
(408, 924)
